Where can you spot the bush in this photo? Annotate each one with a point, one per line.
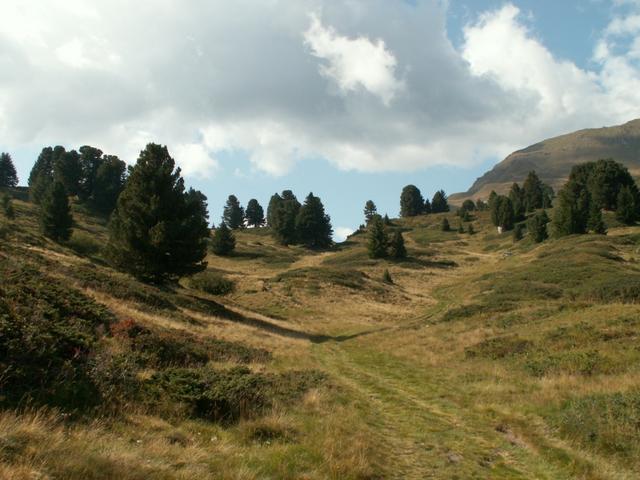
(84, 244)
(47, 336)
(211, 282)
(499, 347)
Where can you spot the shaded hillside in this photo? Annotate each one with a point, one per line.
(552, 159)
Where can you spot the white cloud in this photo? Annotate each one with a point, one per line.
(354, 62)
(340, 234)
(370, 85)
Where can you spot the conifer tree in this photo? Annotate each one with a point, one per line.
(502, 212)
(386, 277)
(275, 202)
(470, 229)
(67, 170)
(533, 193)
(254, 213)
(8, 174)
(386, 220)
(537, 226)
(445, 226)
(596, 223)
(108, 183)
(571, 214)
(378, 239)
(90, 161)
(313, 225)
(460, 227)
(55, 213)
(158, 230)
(439, 203)
(427, 206)
(283, 217)
(233, 214)
(481, 206)
(370, 210)
(7, 206)
(223, 242)
(627, 210)
(41, 175)
(516, 195)
(411, 201)
(396, 246)
(493, 198)
(468, 205)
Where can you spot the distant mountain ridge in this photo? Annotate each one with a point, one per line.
(553, 159)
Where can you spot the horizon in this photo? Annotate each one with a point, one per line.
(350, 102)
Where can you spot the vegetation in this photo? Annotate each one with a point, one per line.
(378, 238)
(369, 210)
(223, 242)
(411, 201)
(8, 174)
(159, 235)
(55, 213)
(313, 225)
(233, 215)
(254, 214)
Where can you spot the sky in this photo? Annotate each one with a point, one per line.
(348, 99)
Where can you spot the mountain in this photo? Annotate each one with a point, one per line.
(553, 159)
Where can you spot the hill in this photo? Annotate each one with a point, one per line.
(481, 359)
(553, 159)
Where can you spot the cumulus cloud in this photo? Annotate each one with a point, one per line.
(354, 63)
(369, 85)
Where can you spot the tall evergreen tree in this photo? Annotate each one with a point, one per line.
(518, 232)
(284, 218)
(411, 201)
(41, 175)
(90, 161)
(532, 192)
(157, 229)
(67, 170)
(233, 214)
(606, 179)
(537, 226)
(254, 213)
(481, 206)
(313, 225)
(571, 214)
(378, 238)
(8, 174)
(427, 206)
(445, 226)
(108, 183)
(396, 246)
(439, 203)
(274, 204)
(627, 209)
(370, 210)
(223, 242)
(55, 213)
(468, 205)
(491, 205)
(504, 212)
(517, 197)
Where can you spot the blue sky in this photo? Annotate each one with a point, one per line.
(349, 100)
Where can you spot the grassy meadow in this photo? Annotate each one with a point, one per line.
(482, 358)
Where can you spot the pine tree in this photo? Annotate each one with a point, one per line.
(223, 242)
(627, 210)
(460, 227)
(41, 175)
(55, 213)
(502, 212)
(411, 201)
(533, 192)
(439, 202)
(470, 229)
(537, 226)
(396, 246)
(386, 277)
(468, 205)
(427, 206)
(571, 214)
(596, 223)
(378, 238)
(313, 225)
(481, 206)
(445, 226)
(7, 206)
(233, 214)
(254, 213)
(516, 195)
(370, 210)
(283, 211)
(67, 170)
(8, 174)
(90, 161)
(493, 198)
(108, 183)
(158, 230)
(386, 220)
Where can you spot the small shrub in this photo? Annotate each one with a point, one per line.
(499, 347)
(211, 282)
(386, 277)
(84, 244)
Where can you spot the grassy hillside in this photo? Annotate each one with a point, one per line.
(553, 159)
(482, 359)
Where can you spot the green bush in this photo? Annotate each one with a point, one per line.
(499, 347)
(47, 336)
(210, 282)
(84, 244)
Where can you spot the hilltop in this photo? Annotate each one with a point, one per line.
(553, 159)
(482, 358)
